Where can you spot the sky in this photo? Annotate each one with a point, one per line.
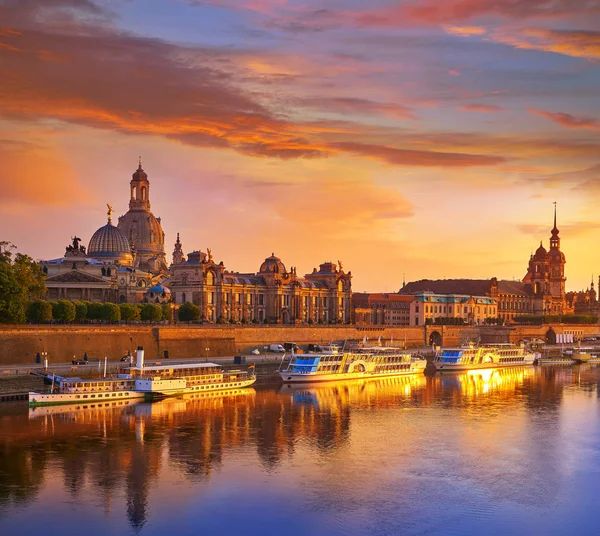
(407, 139)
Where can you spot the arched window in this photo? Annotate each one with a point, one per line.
(183, 297)
(133, 193)
(340, 285)
(184, 279)
(210, 278)
(143, 193)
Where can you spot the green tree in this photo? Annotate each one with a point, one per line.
(129, 312)
(188, 312)
(21, 280)
(166, 312)
(39, 311)
(81, 311)
(94, 310)
(64, 311)
(110, 312)
(151, 312)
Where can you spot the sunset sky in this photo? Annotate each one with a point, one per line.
(419, 137)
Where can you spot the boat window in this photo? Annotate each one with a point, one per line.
(85, 396)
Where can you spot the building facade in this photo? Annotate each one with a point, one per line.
(381, 309)
(272, 295)
(541, 291)
(427, 308)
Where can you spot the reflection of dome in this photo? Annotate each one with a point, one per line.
(110, 243)
(272, 264)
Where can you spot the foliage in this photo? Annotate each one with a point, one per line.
(110, 312)
(151, 312)
(129, 312)
(39, 311)
(449, 321)
(166, 312)
(64, 311)
(188, 312)
(21, 280)
(555, 319)
(94, 310)
(81, 310)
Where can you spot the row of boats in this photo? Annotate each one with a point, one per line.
(331, 363)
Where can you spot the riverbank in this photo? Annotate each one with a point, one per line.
(20, 344)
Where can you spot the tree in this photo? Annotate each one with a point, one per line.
(151, 312)
(166, 312)
(81, 311)
(64, 311)
(21, 280)
(39, 311)
(188, 312)
(129, 312)
(110, 312)
(94, 310)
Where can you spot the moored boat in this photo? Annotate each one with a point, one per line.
(140, 381)
(362, 363)
(483, 356)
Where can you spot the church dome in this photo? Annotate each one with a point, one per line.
(540, 253)
(110, 243)
(272, 264)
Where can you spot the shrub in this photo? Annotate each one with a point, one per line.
(64, 311)
(151, 312)
(166, 312)
(110, 312)
(39, 311)
(129, 312)
(80, 310)
(188, 312)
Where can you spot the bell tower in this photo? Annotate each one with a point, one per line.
(178, 256)
(140, 189)
(556, 269)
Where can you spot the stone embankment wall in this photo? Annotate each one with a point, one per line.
(20, 344)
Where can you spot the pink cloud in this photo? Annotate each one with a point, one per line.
(567, 120)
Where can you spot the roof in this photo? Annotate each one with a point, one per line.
(473, 287)
(176, 367)
(513, 287)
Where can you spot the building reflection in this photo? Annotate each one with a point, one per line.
(127, 450)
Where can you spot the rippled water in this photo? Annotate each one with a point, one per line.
(513, 451)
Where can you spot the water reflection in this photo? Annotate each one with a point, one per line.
(339, 443)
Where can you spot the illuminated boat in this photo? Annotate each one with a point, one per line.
(484, 356)
(140, 381)
(362, 363)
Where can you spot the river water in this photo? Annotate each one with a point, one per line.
(514, 451)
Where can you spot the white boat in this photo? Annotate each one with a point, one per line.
(142, 381)
(483, 356)
(77, 391)
(362, 363)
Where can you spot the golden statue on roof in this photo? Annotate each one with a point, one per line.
(109, 212)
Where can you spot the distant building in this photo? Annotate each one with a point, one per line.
(273, 294)
(585, 302)
(381, 309)
(427, 307)
(542, 290)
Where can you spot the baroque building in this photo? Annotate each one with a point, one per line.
(113, 269)
(272, 295)
(540, 292)
(142, 229)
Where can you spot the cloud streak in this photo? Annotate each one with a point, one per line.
(567, 120)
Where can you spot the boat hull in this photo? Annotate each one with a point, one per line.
(292, 377)
(54, 399)
(204, 388)
(452, 367)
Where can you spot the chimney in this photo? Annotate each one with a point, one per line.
(140, 357)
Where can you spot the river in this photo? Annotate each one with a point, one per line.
(496, 452)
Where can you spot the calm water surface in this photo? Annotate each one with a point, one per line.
(495, 452)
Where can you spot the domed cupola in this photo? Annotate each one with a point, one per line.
(272, 265)
(541, 253)
(141, 227)
(110, 243)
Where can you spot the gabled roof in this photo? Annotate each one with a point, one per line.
(472, 287)
(75, 276)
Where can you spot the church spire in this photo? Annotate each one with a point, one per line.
(178, 256)
(554, 239)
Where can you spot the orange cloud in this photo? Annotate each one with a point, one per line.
(465, 31)
(412, 157)
(480, 108)
(575, 43)
(567, 120)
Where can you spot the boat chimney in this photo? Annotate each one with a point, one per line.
(140, 357)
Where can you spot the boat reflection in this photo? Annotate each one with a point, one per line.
(475, 383)
(379, 392)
